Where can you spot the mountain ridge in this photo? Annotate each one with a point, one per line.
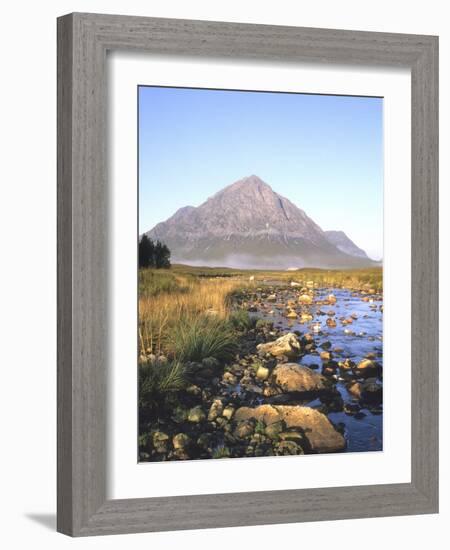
(248, 224)
(345, 244)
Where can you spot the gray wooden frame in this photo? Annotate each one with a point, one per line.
(83, 40)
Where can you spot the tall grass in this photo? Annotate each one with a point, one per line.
(196, 339)
(357, 279)
(185, 307)
(181, 304)
(153, 282)
(156, 379)
(241, 320)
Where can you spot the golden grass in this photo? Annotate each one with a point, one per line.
(183, 294)
(195, 297)
(357, 279)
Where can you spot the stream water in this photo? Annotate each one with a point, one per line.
(355, 341)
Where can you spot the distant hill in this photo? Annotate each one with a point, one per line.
(248, 225)
(344, 244)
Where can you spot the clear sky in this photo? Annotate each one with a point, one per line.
(324, 153)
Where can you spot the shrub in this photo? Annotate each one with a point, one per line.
(158, 379)
(241, 320)
(195, 339)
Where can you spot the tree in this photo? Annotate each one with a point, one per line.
(153, 254)
(162, 255)
(146, 252)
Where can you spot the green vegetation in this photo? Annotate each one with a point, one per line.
(241, 320)
(203, 337)
(186, 314)
(221, 452)
(157, 380)
(152, 283)
(260, 427)
(174, 300)
(194, 324)
(353, 279)
(340, 278)
(264, 323)
(153, 254)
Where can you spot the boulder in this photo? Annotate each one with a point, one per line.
(181, 441)
(244, 429)
(372, 392)
(366, 368)
(262, 373)
(228, 412)
(297, 437)
(329, 368)
(272, 431)
(194, 390)
(346, 365)
(320, 434)
(179, 414)
(291, 377)
(305, 299)
(229, 378)
(287, 345)
(215, 410)
(160, 442)
(196, 415)
(325, 356)
(355, 389)
(331, 299)
(264, 413)
(286, 448)
(319, 431)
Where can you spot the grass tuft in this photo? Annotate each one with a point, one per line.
(221, 452)
(241, 320)
(159, 378)
(205, 336)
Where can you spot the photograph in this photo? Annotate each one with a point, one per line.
(236, 254)
(260, 273)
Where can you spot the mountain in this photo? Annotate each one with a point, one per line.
(248, 225)
(344, 244)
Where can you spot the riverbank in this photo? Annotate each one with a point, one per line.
(290, 368)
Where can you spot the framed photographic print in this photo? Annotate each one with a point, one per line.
(247, 269)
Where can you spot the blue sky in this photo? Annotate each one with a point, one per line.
(324, 153)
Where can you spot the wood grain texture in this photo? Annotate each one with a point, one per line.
(83, 40)
(64, 251)
(425, 272)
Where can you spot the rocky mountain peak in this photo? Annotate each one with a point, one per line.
(250, 187)
(248, 224)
